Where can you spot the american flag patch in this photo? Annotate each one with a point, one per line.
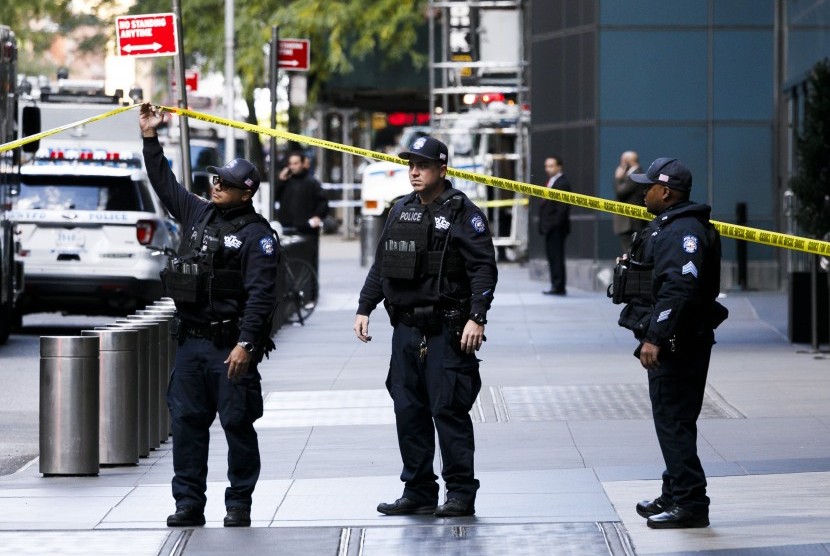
(690, 268)
(664, 315)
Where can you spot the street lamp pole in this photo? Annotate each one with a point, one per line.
(230, 144)
(273, 74)
(184, 130)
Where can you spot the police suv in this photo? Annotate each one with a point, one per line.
(90, 229)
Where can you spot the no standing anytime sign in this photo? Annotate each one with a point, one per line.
(146, 35)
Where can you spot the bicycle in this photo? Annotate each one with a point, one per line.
(301, 291)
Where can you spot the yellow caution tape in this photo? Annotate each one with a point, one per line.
(774, 239)
(38, 136)
(521, 201)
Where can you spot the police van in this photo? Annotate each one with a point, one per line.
(91, 230)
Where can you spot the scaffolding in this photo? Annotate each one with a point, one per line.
(478, 101)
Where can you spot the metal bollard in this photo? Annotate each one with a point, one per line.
(370, 231)
(117, 396)
(68, 405)
(163, 376)
(166, 313)
(153, 372)
(168, 310)
(143, 394)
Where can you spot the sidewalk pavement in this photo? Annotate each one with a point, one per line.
(565, 445)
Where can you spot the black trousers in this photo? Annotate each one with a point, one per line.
(199, 388)
(433, 394)
(555, 251)
(676, 390)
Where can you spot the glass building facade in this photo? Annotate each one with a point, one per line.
(714, 83)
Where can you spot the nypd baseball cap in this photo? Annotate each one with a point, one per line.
(238, 172)
(666, 171)
(427, 147)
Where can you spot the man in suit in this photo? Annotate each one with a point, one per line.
(628, 191)
(555, 225)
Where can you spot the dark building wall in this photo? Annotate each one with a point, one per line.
(685, 78)
(808, 34)
(563, 107)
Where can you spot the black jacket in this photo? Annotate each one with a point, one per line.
(252, 249)
(469, 235)
(684, 249)
(554, 215)
(300, 197)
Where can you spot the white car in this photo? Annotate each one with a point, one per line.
(90, 229)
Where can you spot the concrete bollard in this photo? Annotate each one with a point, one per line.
(68, 405)
(118, 396)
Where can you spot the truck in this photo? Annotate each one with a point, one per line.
(10, 272)
(385, 182)
(476, 140)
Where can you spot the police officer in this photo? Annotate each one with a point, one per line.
(671, 288)
(435, 270)
(223, 284)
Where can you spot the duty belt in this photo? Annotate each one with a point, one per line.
(429, 316)
(196, 331)
(417, 316)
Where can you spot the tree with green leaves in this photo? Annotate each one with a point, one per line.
(341, 32)
(37, 22)
(811, 183)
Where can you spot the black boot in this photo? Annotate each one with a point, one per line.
(238, 517)
(186, 516)
(405, 506)
(678, 518)
(648, 508)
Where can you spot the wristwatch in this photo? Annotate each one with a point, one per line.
(247, 346)
(479, 318)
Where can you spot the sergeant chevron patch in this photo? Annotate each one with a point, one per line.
(690, 268)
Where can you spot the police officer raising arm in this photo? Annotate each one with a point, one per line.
(224, 286)
(670, 281)
(435, 271)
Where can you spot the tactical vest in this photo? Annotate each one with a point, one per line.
(633, 278)
(410, 252)
(200, 276)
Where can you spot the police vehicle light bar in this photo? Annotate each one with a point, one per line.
(101, 157)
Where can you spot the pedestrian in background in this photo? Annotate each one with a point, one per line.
(555, 225)
(224, 286)
(671, 290)
(303, 206)
(631, 192)
(435, 271)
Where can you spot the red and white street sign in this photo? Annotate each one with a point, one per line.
(294, 54)
(146, 35)
(191, 80)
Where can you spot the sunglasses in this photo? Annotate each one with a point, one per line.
(219, 182)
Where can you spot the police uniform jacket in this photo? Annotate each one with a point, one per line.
(460, 225)
(684, 249)
(252, 249)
